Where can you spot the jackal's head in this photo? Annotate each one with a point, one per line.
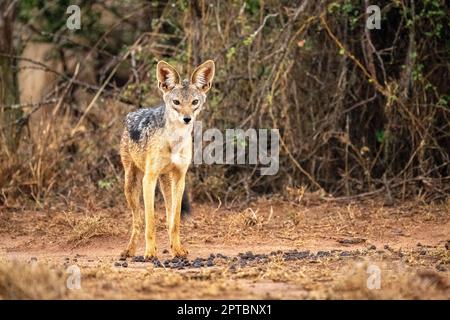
(184, 99)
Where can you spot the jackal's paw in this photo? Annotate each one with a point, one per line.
(127, 253)
(179, 252)
(150, 254)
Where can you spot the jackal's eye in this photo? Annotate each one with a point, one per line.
(195, 102)
(176, 102)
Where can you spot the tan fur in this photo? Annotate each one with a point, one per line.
(164, 156)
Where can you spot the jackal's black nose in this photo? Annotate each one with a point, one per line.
(187, 119)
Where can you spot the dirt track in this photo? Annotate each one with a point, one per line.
(272, 249)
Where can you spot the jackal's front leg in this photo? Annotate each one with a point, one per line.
(149, 184)
(166, 189)
(178, 182)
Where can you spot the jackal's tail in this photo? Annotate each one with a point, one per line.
(185, 206)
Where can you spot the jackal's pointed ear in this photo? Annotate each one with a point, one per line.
(167, 76)
(203, 75)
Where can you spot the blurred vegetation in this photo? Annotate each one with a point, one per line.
(359, 111)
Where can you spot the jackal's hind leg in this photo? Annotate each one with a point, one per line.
(149, 184)
(133, 188)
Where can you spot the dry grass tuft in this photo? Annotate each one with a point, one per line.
(397, 282)
(249, 217)
(90, 227)
(247, 221)
(20, 280)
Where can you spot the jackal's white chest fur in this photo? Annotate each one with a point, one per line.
(180, 144)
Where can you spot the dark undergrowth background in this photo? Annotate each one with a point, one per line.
(360, 112)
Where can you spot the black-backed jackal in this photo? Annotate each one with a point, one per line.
(157, 146)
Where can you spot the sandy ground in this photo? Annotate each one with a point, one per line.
(270, 249)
